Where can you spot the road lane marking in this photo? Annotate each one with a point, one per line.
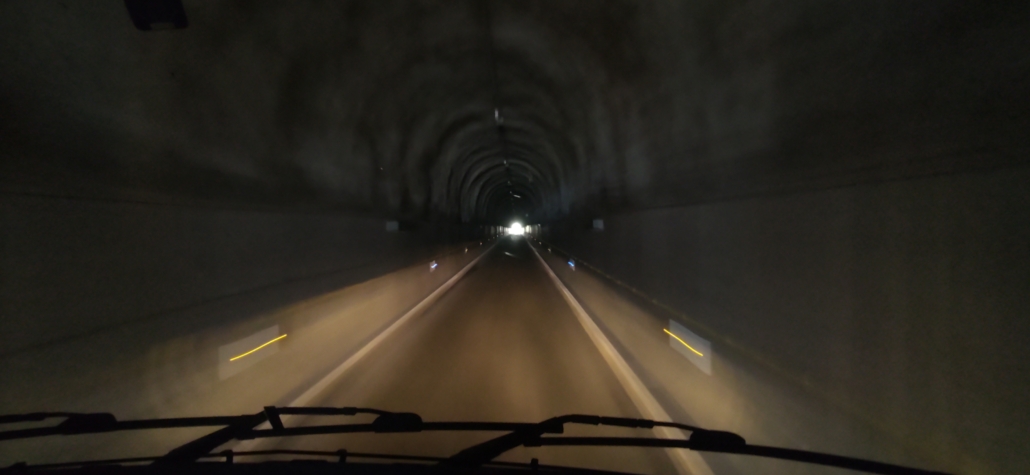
(269, 342)
(666, 330)
(685, 461)
(313, 392)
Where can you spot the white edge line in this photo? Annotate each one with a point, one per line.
(686, 461)
(321, 385)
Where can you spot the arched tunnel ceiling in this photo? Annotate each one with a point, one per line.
(448, 109)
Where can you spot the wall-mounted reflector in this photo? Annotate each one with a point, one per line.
(694, 348)
(244, 353)
(269, 342)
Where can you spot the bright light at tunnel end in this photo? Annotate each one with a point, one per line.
(516, 229)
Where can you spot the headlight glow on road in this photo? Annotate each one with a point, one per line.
(681, 341)
(269, 342)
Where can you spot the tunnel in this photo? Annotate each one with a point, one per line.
(805, 223)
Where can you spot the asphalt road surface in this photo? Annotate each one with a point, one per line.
(501, 345)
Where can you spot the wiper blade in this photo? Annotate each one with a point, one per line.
(76, 423)
(727, 442)
(89, 423)
(340, 456)
(86, 423)
(380, 428)
(409, 422)
(491, 449)
(34, 417)
(702, 440)
(385, 422)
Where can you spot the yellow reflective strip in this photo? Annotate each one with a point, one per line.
(258, 348)
(681, 341)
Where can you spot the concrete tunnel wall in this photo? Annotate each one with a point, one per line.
(903, 303)
(389, 107)
(838, 184)
(72, 267)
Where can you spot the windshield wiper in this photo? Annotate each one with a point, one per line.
(701, 440)
(242, 427)
(340, 456)
(518, 434)
(727, 442)
(486, 451)
(91, 423)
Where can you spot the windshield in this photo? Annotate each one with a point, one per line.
(802, 224)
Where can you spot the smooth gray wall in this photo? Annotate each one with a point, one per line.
(70, 267)
(906, 301)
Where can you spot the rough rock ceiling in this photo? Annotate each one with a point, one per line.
(483, 109)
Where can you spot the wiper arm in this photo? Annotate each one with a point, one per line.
(200, 447)
(386, 422)
(728, 442)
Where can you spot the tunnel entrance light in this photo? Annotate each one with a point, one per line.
(516, 229)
